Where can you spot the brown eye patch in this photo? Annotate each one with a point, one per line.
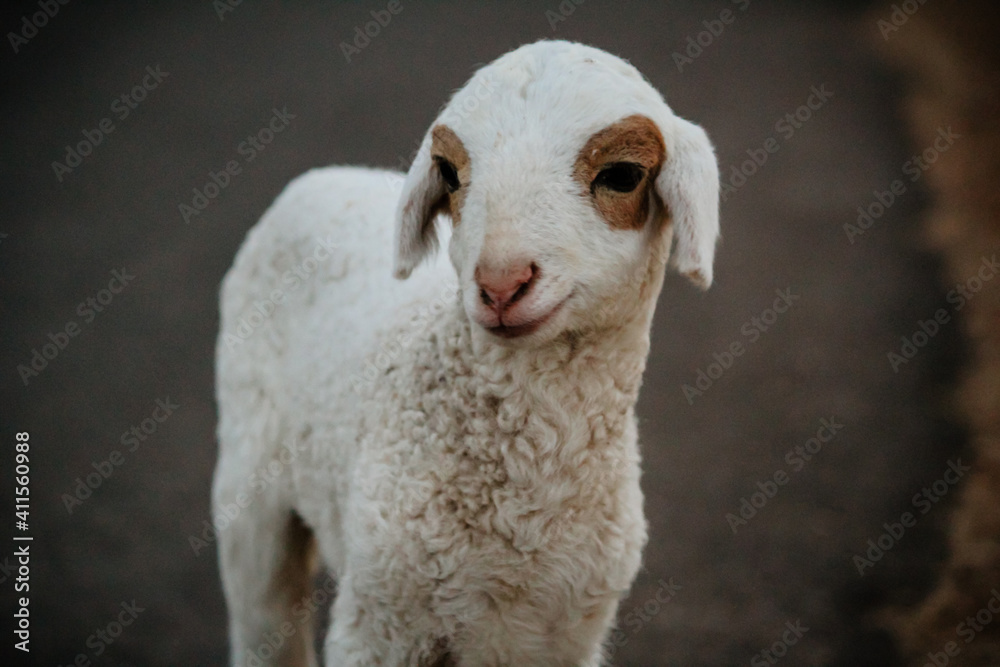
(451, 161)
(617, 166)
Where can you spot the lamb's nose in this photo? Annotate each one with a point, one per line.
(498, 288)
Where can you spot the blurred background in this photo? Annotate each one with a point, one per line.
(859, 148)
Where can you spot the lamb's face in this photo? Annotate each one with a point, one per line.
(543, 243)
(561, 184)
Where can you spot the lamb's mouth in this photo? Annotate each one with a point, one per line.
(519, 330)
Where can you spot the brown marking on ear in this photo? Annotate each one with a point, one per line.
(634, 139)
(445, 145)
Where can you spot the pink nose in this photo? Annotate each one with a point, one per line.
(498, 288)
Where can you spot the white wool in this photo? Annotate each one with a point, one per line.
(474, 496)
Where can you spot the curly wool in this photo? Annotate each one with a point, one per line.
(465, 486)
(491, 487)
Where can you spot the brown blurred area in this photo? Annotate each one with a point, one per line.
(951, 60)
(787, 227)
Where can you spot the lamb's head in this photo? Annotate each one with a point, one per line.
(565, 176)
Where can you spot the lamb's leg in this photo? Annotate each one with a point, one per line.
(363, 633)
(267, 562)
(351, 640)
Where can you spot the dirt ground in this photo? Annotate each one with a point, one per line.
(819, 370)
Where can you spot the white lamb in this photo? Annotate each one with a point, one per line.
(460, 447)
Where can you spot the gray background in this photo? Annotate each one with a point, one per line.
(825, 357)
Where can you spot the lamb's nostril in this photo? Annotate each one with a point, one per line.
(528, 279)
(500, 288)
(521, 291)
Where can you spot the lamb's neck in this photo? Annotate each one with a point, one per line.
(613, 357)
(581, 387)
(578, 366)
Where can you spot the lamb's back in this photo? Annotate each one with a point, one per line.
(312, 288)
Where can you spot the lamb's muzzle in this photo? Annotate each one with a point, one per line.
(500, 288)
(505, 292)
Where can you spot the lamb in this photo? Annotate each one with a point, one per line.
(460, 448)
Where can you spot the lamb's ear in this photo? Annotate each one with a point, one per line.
(422, 198)
(689, 185)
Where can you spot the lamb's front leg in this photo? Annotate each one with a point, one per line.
(351, 640)
(595, 660)
(365, 631)
(599, 656)
(265, 554)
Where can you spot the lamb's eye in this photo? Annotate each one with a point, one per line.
(449, 174)
(619, 176)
